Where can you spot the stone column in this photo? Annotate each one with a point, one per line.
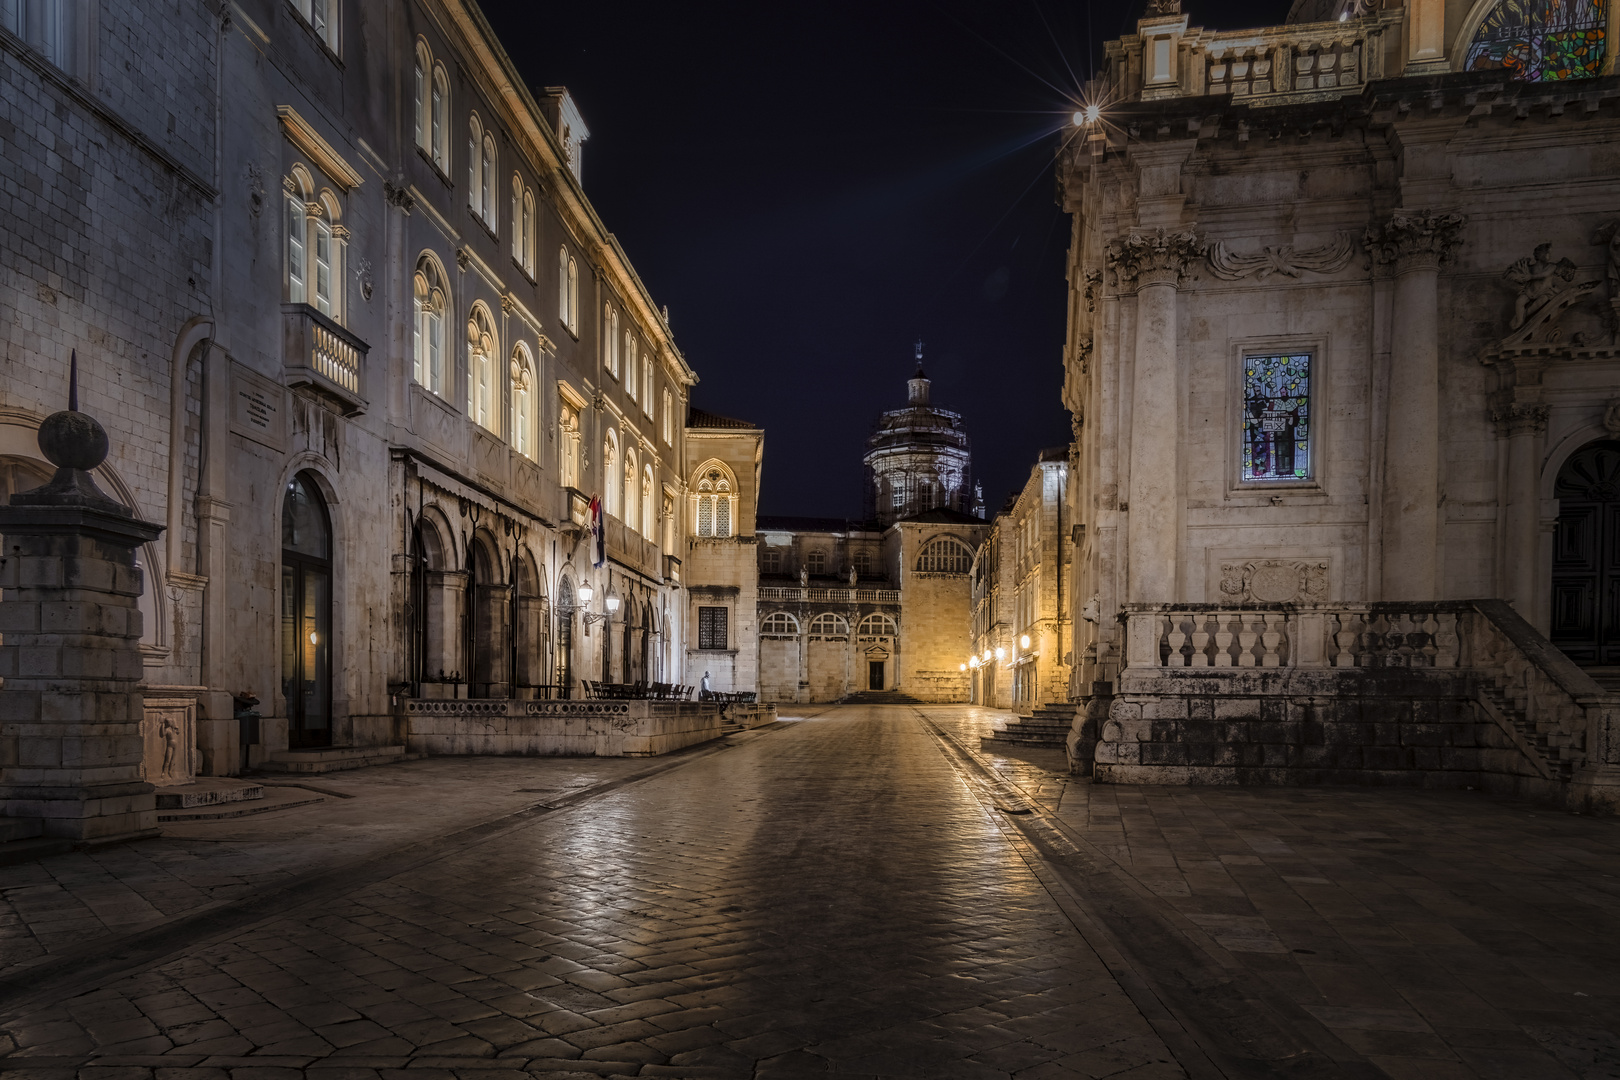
(1416, 244)
(1524, 425)
(70, 713)
(1151, 265)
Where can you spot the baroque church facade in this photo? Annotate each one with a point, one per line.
(1343, 367)
(364, 348)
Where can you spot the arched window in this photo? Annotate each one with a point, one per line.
(517, 219)
(440, 133)
(562, 285)
(649, 519)
(475, 166)
(945, 555)
(568, 442)
(328, 249)
(715, 499)
(779, 624)
(424, 64)
(565, 637)
(647, 385)
(828, 624)
(1539, 41)
(878, 624)
(610, 340)
(631, 504)
(631, 364)
(522, 397)
(432, 299)
(306, 613)
(298, 195)
(486, 174)
(573, 297)
(610, 474)
(528, 231)
(481, 364)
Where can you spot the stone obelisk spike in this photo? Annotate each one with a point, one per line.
(73, 381)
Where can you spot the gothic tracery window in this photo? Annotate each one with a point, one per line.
(522, 394)
(1276, 417)
(945, 555)
(481, 389)
(714, 504)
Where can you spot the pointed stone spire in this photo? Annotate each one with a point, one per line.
(75, 443)
(917, 387)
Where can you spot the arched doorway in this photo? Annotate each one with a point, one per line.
(1586, 556)
(306, 614)
(565, 638)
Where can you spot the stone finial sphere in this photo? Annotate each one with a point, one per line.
(73, 440)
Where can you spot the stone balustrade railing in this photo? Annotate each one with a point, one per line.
(830, 596)
(1278, 635)
(319, 353)
(1274, 65)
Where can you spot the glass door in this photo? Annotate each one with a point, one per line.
(306, 616)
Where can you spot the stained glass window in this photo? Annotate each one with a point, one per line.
(1542, 40)
(1276, 411)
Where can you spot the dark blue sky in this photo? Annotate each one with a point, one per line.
(813, 187)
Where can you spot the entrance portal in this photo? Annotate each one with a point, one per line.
(306, 615)
(874, 674)
(1586, 556)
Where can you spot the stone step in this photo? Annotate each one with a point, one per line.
(208, 791)
(336, 759)
(17, 828)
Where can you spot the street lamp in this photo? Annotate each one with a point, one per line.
(1023, 642)
(1001, 654)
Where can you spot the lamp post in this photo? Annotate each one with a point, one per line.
(611, 603)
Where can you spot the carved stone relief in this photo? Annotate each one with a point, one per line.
(1538, 279)
(1276, 581)
(1153, 258)
(169, 735)
(1327, 259)
(1418, 236)
(1611, 418)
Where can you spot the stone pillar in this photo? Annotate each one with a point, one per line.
(1524, 425)
(1425, 34)
(70, 714)
(1416, 244)
(1152, 264)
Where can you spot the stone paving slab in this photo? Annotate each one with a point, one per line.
(828, 898)
(1421, 934)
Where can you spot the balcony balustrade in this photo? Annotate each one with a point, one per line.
(320, 354)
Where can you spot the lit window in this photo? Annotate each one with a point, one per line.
(428, 337)
(424, 64)
(522, 391)
(562, 285)
(631, 503)
(296, 226)
(486, 177)
(1541, 42)
(669, 419)
(647, 384)
(648, 518)
(568, 443)
(610, 473)
(573, 297)
(528, 231)
(714, 504)
(481, 359)
(631, 364)
(610, 340)
(1276, 413)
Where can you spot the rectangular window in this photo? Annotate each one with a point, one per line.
(705, 521)
(770, 561)
(816, 562)
(1276, 414)
(863, 562)
(323, 268)
(712, 628)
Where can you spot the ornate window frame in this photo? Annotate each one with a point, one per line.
(1319, 348)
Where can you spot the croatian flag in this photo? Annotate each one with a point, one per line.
(598, 535)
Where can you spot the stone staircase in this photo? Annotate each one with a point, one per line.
(22, 840)
(335, 759)
(1560, 751)
(1046, 727)
(879, 697)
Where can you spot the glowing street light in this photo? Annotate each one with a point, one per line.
(1088, 115)
(1023, 642)
(585, 593)
(1001, 654)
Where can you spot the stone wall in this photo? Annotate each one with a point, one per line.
(561, 728)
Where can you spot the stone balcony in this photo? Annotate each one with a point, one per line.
(830, 596)
(320, 354)
(1275, 65)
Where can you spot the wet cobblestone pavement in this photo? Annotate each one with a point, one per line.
(830, 897)
(864, 892)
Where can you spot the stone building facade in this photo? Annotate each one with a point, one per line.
(1021, 632)
(361, 344)
(1344, 297)
(881, 605)
(724, 459)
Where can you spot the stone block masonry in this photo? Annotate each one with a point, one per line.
(71, 744)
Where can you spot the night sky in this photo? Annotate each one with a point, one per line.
(811, 188)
